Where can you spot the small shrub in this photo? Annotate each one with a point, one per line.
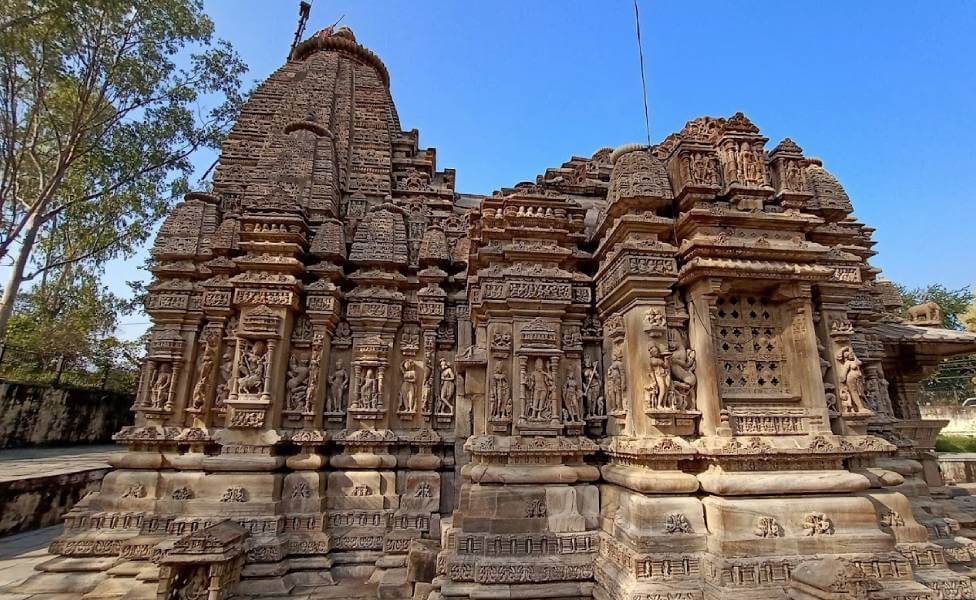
(955, 443)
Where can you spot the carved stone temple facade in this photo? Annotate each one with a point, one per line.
(663, 373)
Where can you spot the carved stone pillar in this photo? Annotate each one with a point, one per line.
(804, 360)
(701, 306)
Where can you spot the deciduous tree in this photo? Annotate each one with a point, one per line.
(102, 103)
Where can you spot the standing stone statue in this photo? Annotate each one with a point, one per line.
(540, 389)
(206, 371)
(160, 387)
(571, 400)
(616, 384)
(427, 389)
(445, 405)
(223, 383)
(408, 387)
(660, 379)
(592, 389)
(338, 382)
(500, 394)
(313, 377)
(368, 391)
(851, 378)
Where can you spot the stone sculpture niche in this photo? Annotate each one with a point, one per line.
(367, 399)
(538, 359)
(161, 374)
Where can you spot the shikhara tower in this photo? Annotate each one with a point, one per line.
(662, 373)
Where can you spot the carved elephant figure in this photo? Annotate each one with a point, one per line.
(927, 312)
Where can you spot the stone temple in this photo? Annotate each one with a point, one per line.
(657, 373)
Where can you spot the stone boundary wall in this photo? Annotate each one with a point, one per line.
(958, 467)
(39, 415)
(962, 419)
(36, 502)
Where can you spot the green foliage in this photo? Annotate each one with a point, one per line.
(955, 379)
(102, 104)
(955, 443)
(70, 321)
(968, 317)
(952, 302)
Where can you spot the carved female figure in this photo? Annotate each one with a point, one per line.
(427, 389)
(161, 385)
(731, 165)
(206, 371)
(500, 394)
(368, 390)
(571, 400)
(313, 373)
(592, 389)
(752, 165)
(408, 387)
(793, 179)
(660, 376)
(223, 385)
(448, 388)
(616, 384)
(338, 382)
(851, 378)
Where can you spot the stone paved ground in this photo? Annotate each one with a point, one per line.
(19, 554)
(27, 463)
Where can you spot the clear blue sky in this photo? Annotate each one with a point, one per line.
(883, 92)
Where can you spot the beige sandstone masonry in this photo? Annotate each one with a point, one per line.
(663, 373)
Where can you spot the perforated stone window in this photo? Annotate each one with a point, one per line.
(749, 348)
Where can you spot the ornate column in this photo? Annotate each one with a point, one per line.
(805, 359)
(701, 307)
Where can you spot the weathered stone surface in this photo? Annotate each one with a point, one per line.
(659, 373)
(40, 415)
(39, 485)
